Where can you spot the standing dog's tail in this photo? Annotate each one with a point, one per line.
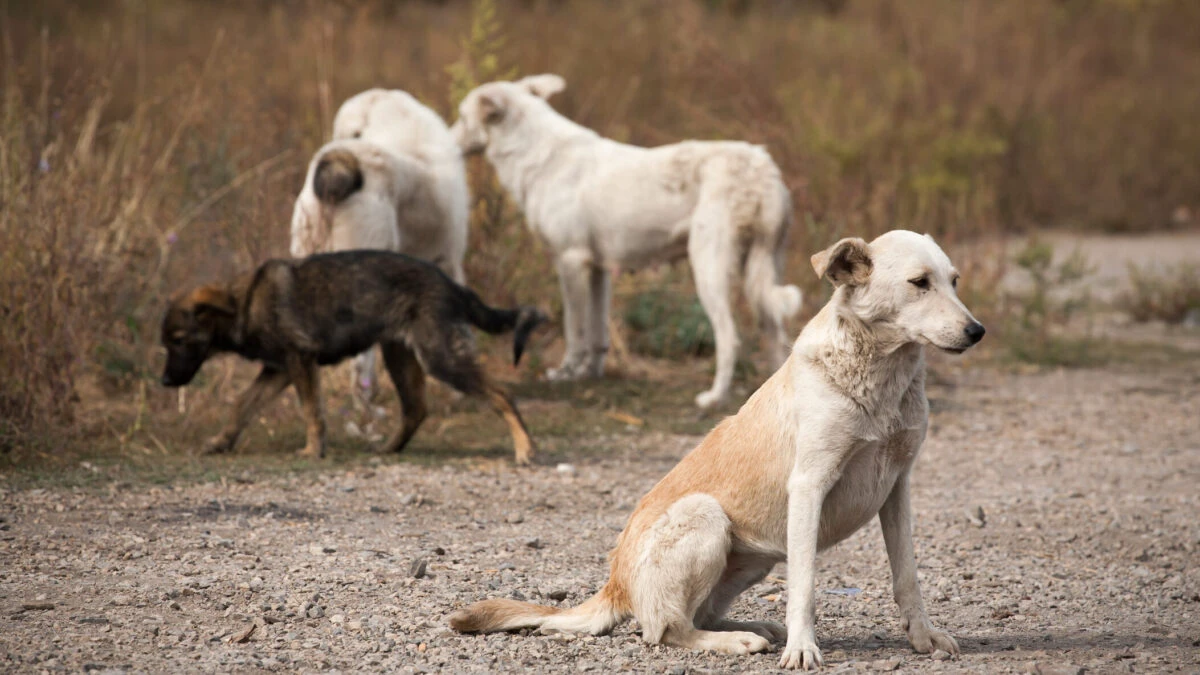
(764, 261)
(338, 175)
(597, 616)
(521, 320)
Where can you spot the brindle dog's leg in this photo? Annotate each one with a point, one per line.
(269, 383)
(409, 378)
(306, 378)
(450, 358)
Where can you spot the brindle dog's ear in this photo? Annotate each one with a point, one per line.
(846, 262)
(208, 301)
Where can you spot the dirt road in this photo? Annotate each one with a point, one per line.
(1086, 557)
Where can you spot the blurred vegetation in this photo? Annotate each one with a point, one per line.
(149, 144)
(1169, 294)
(1038, 313)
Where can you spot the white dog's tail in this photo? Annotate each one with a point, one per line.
(764, 261)
(597, 616)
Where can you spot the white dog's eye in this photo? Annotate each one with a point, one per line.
(922, 283)
(954, 282)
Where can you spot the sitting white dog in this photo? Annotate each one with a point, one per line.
(391, 179)
(601, 206)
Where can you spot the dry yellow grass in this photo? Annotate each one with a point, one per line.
(149, 145)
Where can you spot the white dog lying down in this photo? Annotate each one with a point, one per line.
(601, 206)
(392, 179)
(827, 443)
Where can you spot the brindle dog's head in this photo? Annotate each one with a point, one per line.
(190, 328)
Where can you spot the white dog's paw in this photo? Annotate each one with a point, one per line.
(806, 657)
(709, 399)
(924, 638)
(742, 643)
(565, 373)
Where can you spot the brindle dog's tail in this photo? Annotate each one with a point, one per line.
(521, 320)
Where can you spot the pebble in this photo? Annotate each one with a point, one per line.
(417, 569)
(940, 655)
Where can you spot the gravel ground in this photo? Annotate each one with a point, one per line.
(1056, 531)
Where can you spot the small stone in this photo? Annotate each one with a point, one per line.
(256, 584)
(174, 605)
(534, 543)
(887, 664)
(565, 469)
(244, 636)
(337, 619)
(120, 600)
(514, 518)
(315, 612)
(940, 655)
(417, 569)
(557, 594)
(976, 516)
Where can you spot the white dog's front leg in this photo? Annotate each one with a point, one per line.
(806, 493)
(574, 269)
(896, 519)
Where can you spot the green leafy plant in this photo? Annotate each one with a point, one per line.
(1170, 295)
(1045, 305)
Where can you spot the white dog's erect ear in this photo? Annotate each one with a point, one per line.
(492, 107)
(543, 86)
(846, 262)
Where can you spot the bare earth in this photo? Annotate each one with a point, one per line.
(1086, 558)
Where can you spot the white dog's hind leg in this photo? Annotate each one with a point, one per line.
(712, 253)
(574, 268)
(600, 287)
(683, 558)
(896, 520)
(741, 572)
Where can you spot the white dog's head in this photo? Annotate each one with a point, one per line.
(494, 107)
(902, 281)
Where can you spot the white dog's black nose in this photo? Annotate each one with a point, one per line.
(974, 331)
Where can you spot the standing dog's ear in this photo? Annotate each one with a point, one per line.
(846, 262)
(213, 300)
(543, 86)
(493, 106)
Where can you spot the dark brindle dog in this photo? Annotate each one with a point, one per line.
(297, 315)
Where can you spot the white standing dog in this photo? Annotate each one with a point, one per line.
(601, 206)
(825, 445)
(392, 179)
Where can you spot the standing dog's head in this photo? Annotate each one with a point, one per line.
(496, 107)
(190, 328)
(904, 282)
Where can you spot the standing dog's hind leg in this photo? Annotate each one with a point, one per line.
(713, 254)
(453, 361)
(682, 559)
